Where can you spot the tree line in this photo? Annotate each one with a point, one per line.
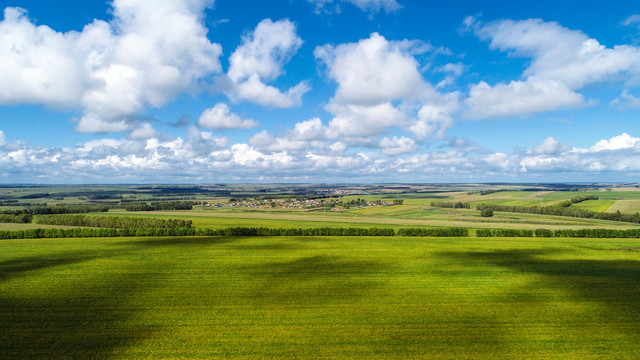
(170, 205)
(451, 204)
(565, 211)
(115, 222)
(572, 233)
(58, 209)
(230, 231)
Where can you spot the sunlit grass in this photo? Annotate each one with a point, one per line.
(319, 298)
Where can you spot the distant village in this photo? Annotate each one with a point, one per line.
(297, 203)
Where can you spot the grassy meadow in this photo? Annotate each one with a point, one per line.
(320, 297)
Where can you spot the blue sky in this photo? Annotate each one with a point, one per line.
(203, 91)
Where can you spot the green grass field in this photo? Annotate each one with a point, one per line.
(333, 297)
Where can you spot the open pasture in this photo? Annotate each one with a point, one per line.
(333, 297)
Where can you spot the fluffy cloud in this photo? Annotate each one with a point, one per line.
(550, 146)
(562, 62)
(398, 145)
(381, 86)
(220, 117)
(374, 70)
(203, 157)
(148, 54)
(260, 58)
(37, 64)
(519, 98)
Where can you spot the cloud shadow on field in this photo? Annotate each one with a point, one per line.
(182, 241)
(316, 279)
(17, 267)
(88, 320)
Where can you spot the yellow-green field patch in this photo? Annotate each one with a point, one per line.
(625, 206)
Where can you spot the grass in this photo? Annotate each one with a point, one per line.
(625, 206)
(393, 216)
(319, 298)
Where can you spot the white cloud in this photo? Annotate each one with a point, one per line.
(374, 70)
(360, 122)
(148, 54)
(37, 64)
(398, 145)
(626, 100)
(365, 5)
(453, 71)
(203, 157)
(550, 146)
(633, 20)
(620, 142)
(220, 117)
(562, 62)
(143, 132)
(519, 98)
(261, 58)
(435, 117)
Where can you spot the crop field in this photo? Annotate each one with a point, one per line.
(393, 216)
(320, 297)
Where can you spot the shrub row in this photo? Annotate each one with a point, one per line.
(564, 211)
(15, 219)
(116, 222)
(451, 204)
(436, 232)
(504, 233)
(59, 209)
(84, 232)
(230, 231)
(171, 205)
(580, 233)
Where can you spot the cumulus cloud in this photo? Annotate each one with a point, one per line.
(550, 146)
(365, 5)
(144, 131)
(201, 156)
(149, 53)
(398, 145)
(380, 85)
(261, 58)
(519, 98)
(353, 121)
(563, 61)
(374, 70)
(220, 117)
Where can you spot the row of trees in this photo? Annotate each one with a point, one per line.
(565, 211)
(58, 209)
(451, 204)
(323, 231)
(86, 232)
(230, 231)
(170, 205)
(575, 200)
(115, 222)
(579, 233)
(16, 218)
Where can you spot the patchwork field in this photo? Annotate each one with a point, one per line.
(320, 297)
